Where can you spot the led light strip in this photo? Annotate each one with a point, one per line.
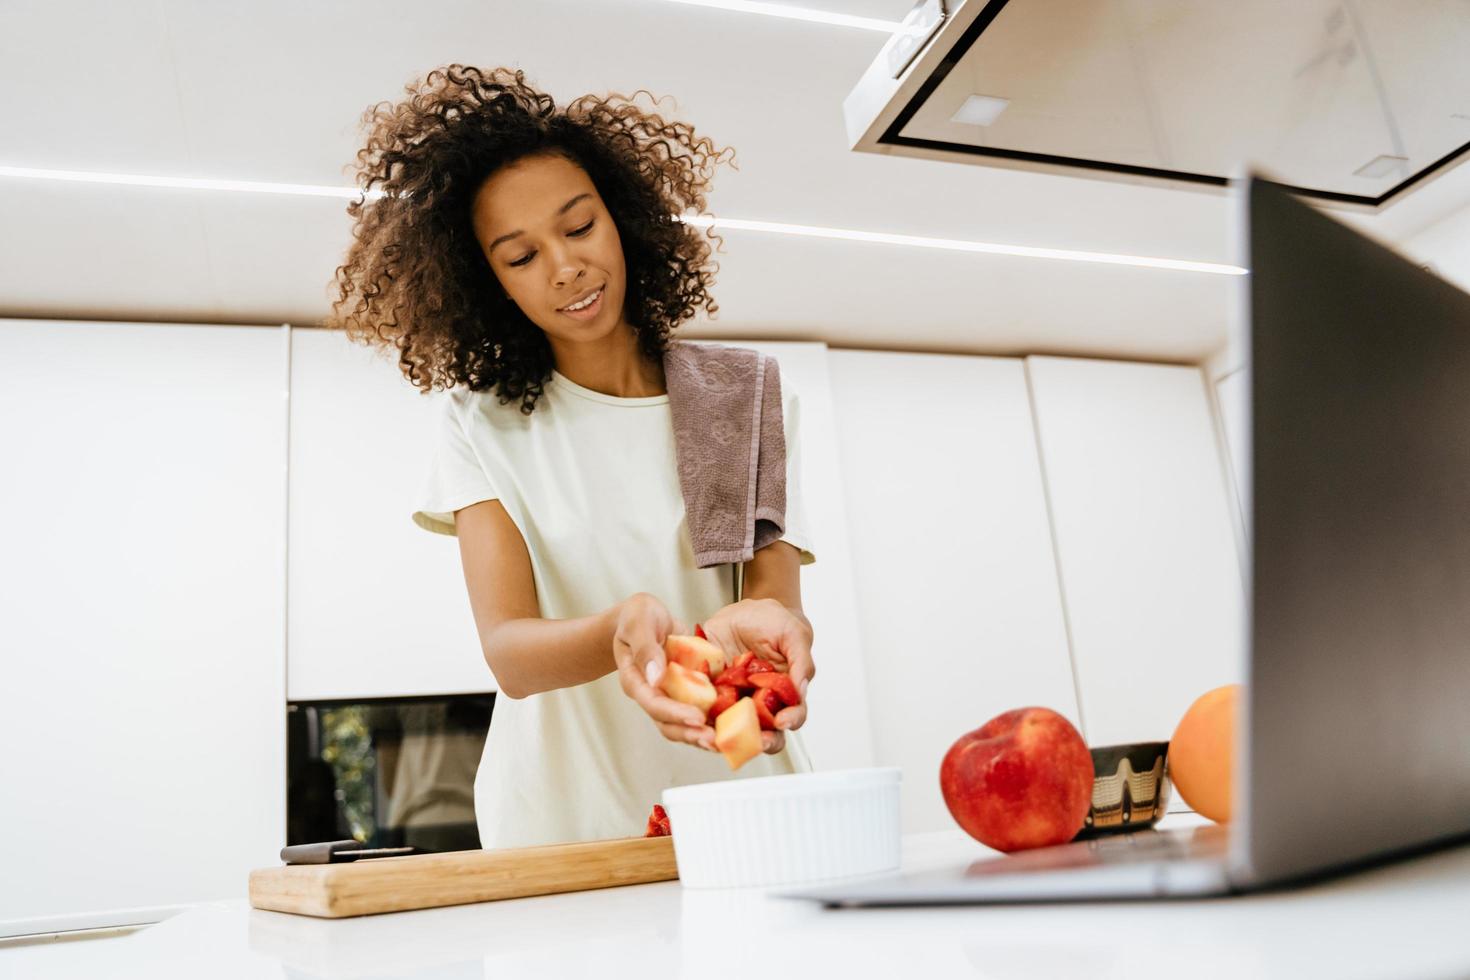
(191, 183)
(739, 224)
(797, 13)
(960, 245)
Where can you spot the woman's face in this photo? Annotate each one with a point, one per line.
(551, 241)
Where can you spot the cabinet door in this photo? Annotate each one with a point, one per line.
(958, 606)
(1233, 393)
(378, 607)
(142, 584)
(1144, 539)
(838, 732)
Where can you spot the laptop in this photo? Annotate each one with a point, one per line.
(1354, 742)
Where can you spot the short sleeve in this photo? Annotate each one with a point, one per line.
(798, 530)
(455, 478)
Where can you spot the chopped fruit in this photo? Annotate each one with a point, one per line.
(781, 684)
(725, 695)
(759, 666)
(688, 686)
(658, 823)
(699, 632)
(738, 673)
(766, 706)
(695, 653)
(738, 733)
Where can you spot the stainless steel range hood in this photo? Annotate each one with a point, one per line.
(1352, 102)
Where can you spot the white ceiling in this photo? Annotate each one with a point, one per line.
(271, 90)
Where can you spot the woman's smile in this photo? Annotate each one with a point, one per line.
(586, 312)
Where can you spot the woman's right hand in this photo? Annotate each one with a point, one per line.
(638, 650)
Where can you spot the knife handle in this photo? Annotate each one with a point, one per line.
(320, 853)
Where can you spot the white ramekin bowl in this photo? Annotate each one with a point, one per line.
(783, 830)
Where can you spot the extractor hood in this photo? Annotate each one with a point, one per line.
(1352, 102)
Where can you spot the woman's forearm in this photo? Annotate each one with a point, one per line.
(529, 656)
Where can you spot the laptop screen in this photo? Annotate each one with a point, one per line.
(1358, 706)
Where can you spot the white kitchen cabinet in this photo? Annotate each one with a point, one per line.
(142, 627)
(1232, 394)
(958, 605)
(1149, 572)
(838, 732)
(378, 607)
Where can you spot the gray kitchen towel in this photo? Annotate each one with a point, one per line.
(730, 444)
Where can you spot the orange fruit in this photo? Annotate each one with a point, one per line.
(1202, 752)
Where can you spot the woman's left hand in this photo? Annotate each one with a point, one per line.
(773, 632)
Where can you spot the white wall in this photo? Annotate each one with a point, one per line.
(1445, 245)
(956, 582)
(838, 733)
(142, 712)
(1150, 572)
(378, 606)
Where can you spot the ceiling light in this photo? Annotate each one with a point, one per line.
(1381, 166)
(980, 110)
(797, 13)
(191, 183)
(698, 221)
(961, 245)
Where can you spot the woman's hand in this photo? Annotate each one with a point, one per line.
(775, 633)
(638, 650)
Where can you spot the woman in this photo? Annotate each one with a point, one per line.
(524, 258)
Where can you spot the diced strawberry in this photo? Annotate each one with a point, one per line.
(699, 632)
(781, 684)
(767, 703)
(658, 823)
(736, 675)
(759, 666)
(725, 695)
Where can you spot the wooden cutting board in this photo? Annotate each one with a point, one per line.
(424, 881)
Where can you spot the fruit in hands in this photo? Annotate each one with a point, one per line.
(725, 695)
(696, 653)
(779, 684)
(1202, 752)
(766, 706)
(689, 686)
(1023, 779)
(738, 673)
(750, 676)
(738, 733)
(658, 823)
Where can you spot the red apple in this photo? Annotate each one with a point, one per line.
(1023, 779)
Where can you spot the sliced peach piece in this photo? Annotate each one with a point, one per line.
(738, 733)
(688, 686)
(695, 653)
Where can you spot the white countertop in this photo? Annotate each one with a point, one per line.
(1408, 919)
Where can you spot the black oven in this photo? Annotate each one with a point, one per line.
(386, 771)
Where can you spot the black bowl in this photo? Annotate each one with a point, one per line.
(1130, 788)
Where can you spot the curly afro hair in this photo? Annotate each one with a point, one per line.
(415, 277)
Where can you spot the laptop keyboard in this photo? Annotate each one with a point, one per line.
(1185, 844)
